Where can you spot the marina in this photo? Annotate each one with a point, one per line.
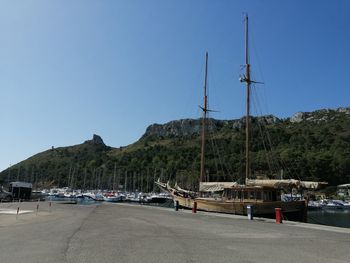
(124, 141)
(322, 212)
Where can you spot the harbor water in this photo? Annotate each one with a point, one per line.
(337, 217)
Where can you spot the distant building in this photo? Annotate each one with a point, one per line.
(21, 190)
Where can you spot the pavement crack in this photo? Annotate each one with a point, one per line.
(71, 237)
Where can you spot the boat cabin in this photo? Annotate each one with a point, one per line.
(232, 191)
(252, 194)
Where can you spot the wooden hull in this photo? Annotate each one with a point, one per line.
(294, 210)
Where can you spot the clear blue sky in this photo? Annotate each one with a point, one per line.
(69, 69)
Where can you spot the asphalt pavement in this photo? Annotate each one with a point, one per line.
(136, 233)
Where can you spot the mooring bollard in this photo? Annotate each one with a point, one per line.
(278, 215)
(194, 208)
(250, 212)
(176, 205)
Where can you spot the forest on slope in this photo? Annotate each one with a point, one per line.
(315, 146)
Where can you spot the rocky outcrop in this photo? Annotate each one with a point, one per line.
(189, 127)
(96, 140)
(344, 110)
(184, 127)
(319, 115)
(298, 117)
(268, 119)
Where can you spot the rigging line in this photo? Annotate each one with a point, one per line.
(288, 169)
(295, 164)
(280, 162)
(269, 150)
(212, 83)
(216, 150)
(210, 122)
(193, 93)
(210, 135)
(258, 62)
(262, 107)
(278, 159)
(215, 160)
(252, 40)
(274, 165)
(299, 157)
(226, 168)
(268, 157)
(293, 168)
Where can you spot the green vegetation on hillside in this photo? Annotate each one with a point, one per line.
(317, 149)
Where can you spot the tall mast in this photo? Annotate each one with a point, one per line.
(248, 81)
(204, 119)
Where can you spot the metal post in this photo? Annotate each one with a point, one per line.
(278, 215)
(250, 212)
(194, 208)
(176, 205)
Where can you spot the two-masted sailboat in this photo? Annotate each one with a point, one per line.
(230, 197)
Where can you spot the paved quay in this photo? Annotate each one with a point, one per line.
(134, 233)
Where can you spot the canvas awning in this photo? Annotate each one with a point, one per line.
(285, 183)
(215, 186)
(312, 185)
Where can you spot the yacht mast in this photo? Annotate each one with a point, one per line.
(204, 120)
(248, 81)
(246, 78)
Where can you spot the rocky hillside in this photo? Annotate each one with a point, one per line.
(190, 127)
(309, 145)
(319, 115)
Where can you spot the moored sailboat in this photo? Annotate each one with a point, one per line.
(230, 197)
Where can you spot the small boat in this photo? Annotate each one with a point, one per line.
(134, 197)
(331, 205)
(314, 205)
(346, 205)
(93, 196)
(340, 204)
(113, 197)
(158, 198)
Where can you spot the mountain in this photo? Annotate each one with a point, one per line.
(309, 145)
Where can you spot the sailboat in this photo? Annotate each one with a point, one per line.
(233, 198)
